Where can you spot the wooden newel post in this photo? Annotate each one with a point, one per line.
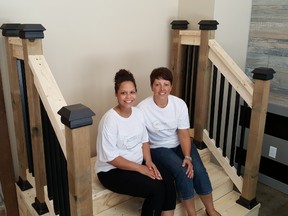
(76, 117)
(207, 28)
(31, 35)
(10, 31)
(261, 92)
(7, 177)
(176, 55)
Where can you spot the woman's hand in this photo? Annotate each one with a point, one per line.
(189, 171)
(150, 170)
(152, 166)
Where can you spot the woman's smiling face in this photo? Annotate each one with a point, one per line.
(126, 94)
(161, 88)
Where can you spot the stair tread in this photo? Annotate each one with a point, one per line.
(104, 199)
(226, 205)
(108, 203)
(98, 189)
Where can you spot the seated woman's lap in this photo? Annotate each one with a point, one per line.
(130, 183)
(172, 160)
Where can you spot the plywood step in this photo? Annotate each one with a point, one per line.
(226, 205)
(104, 199)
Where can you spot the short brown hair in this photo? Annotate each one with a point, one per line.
(161, 72)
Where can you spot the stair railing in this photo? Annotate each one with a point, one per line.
(53, 140)
(216, 90)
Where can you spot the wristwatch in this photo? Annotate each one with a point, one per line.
(188, 158)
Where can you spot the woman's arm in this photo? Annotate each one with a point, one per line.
(122, 163)
(185, 142)
(148, 160)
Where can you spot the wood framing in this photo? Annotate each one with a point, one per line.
(255, 138)
(17, 110)
(34, 47)
(7, 176)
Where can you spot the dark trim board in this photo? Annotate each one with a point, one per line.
(268, 167)
(276, 125)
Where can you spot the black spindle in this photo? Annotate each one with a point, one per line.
(240, 155)
(226, 128)
(25, 110)
(235, 126)
(212, 103)
(220, 110)
(193, 87)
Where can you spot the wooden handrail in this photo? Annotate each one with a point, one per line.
(50, 94)
(231, 71)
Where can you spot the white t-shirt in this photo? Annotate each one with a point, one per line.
(119, 136)
(162, 123)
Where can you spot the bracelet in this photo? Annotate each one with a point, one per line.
(188, 157)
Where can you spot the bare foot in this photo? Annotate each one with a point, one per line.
(214, 213)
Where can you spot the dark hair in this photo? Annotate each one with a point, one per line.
(161, 72)
(121, 76)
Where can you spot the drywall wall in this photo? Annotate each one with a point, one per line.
(234, 22)
(86, 42)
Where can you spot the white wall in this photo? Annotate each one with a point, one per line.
(233, 18)
(87, 41)
(233, 29)
(196, 10)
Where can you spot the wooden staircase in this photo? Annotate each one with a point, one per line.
(107, 203)
(72, 144)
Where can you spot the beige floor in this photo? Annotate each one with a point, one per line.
(273, 202)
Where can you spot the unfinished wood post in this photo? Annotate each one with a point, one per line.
(7, 176)
(31, 35)
(261, 92)
(176, 56)
(11, 31)
(77, 119)
(207, 28)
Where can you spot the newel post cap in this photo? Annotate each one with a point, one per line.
(75, 116)
(263, 73)
(31, 31)
(179, 24)
(208, 24)
(10, 29)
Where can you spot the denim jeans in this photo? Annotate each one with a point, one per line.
(172, 160)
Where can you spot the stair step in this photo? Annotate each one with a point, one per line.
(105, 200)
(227, 206)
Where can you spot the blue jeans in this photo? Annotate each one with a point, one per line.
(172, 160)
